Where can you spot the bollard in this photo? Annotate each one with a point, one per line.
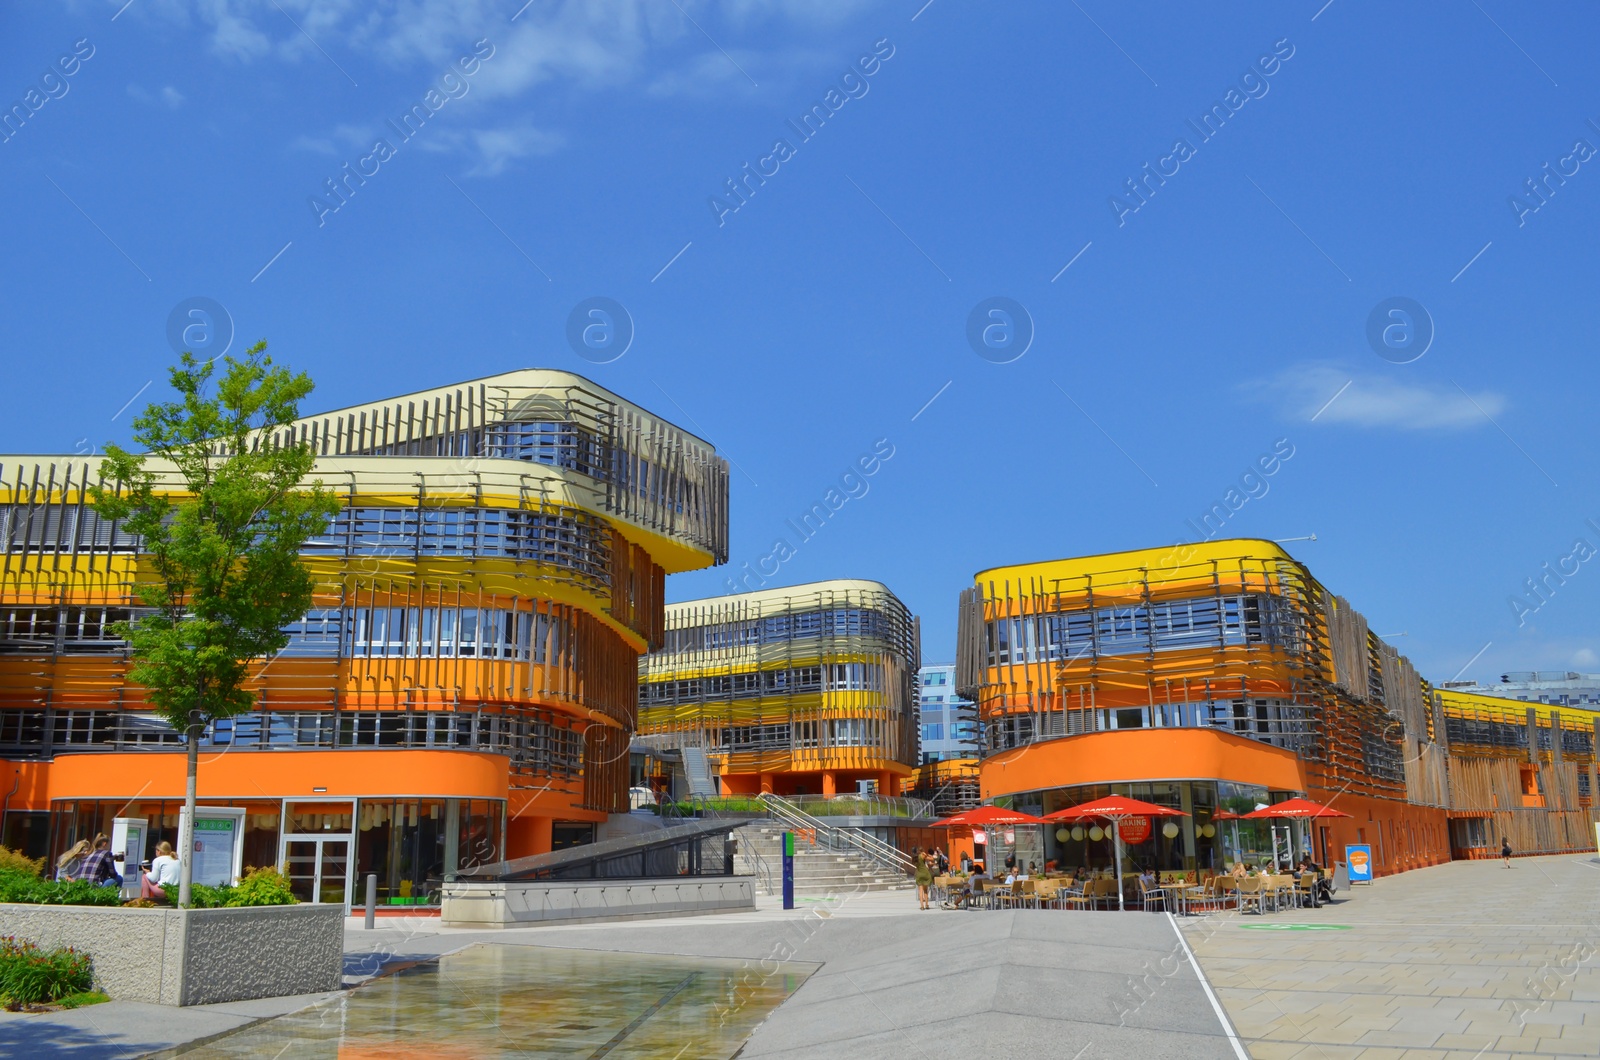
(788, 870)
(372, 900)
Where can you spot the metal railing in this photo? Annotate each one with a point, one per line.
(902, 807)
(750, 858)
(839, 837)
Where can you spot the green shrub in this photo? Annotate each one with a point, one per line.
(30, 975)
(14, 861)
(204, 896)
(257, 887)
(18, 886)
(264, 886)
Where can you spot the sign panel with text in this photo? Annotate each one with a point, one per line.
(218, 844)
(1359, 857)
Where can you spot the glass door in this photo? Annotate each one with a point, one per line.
(318, 869)
(333, 871)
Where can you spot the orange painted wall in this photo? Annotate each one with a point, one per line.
(270, 774)
(1402, 836)
(1123, 755)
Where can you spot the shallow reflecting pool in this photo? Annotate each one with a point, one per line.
(533, 1001)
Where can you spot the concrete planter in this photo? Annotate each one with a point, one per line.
(526, 903)
(194, 956)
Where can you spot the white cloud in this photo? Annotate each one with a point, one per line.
(1585, 657)
(659, 47)
(494, 149)
(588, 43)
(168, 96)
(321, 146)
(1367, 399)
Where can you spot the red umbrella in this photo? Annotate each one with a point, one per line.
(1290, 809)
(1293, 808)
(983, 816)
(1114, 808)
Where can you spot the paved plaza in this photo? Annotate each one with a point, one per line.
(1469, 959)
(1460, 960)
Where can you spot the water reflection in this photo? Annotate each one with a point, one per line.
(530, 1001)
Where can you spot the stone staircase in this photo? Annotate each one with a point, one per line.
(816, 871)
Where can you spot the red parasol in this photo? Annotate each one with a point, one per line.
(1293, 808)
(982, 816)
(1114, 808)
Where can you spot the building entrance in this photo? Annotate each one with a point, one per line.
(318, 868)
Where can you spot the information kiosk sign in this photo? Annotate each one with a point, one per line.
(218, 844)
(128, 839)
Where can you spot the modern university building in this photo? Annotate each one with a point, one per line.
(1218, 677)
(805, 690)
(464, 688)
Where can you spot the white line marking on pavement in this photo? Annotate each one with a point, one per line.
(1216, 1006)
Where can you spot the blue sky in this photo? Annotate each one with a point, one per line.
(1369, 151)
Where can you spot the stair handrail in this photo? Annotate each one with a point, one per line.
(763, 872)
(840, 836)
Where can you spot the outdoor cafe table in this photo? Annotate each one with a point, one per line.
(1181, 893)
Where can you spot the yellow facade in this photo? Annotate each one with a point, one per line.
(495, 572)
(802, 690)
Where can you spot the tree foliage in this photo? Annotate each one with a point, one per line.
(220, 566)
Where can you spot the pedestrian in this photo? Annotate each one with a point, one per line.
(70, 864)
(163, 874)
(97, 867)
(1505, 849)
(924, 877)
(942, 860)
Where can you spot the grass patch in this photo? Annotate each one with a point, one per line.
(87, 997)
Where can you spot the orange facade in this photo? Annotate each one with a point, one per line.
(1220, 677)
(482, 600)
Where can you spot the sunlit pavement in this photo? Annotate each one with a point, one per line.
(1465, 960)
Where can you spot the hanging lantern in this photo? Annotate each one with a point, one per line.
(1097, 833)
(1208, 830)
(1077, 833)
(1062, 834)
(1170, 830)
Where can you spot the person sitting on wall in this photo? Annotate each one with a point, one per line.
(70, 864)
(98, 868)
(163, 874)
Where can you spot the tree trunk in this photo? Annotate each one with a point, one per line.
(186, 853)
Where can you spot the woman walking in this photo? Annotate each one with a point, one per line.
(924, 877)
(1505, 849)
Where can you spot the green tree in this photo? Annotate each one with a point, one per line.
(221, 515)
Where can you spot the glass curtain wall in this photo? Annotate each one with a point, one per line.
(1197, 841)
(72, 820)
(412, 845)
